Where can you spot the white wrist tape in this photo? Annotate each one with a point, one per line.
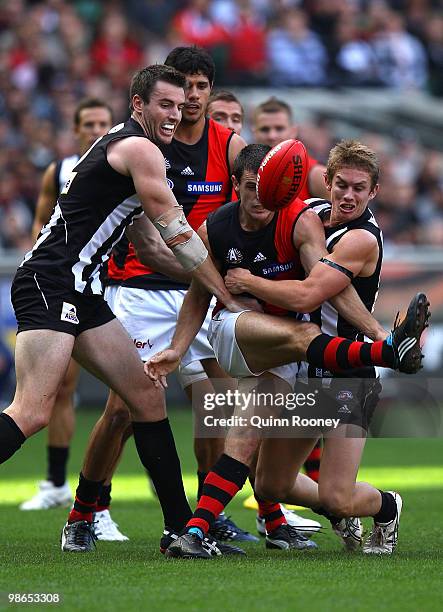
(181, 238)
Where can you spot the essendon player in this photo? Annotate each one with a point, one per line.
(146, 301)
(262, 347)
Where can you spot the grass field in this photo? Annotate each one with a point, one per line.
(133, 575)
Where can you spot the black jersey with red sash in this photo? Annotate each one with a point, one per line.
(268, 252)
(199, 176)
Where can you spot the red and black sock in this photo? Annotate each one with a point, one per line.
(85, 500)
(312, 463)
(272, 513)
(224, 480)
(337, 354)
(104, 499)
(57, 462)
(201, 479)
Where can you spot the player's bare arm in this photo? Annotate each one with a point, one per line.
(153, 252)
(236, 144)
(324, 281)
(46, 200)
(143, 161)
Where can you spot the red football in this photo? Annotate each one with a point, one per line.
(282, 174)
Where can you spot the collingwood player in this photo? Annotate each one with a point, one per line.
(56, 293)
(249, 344)
(92, 119)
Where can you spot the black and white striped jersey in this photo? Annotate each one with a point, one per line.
(63, 169)
(326, 317)
(94, 208)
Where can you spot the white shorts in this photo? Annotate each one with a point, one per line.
(150, 318)
(191, 373)
(222, 338)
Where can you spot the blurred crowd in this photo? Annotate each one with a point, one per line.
(54, 52)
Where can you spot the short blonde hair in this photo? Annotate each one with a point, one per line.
(353, 154)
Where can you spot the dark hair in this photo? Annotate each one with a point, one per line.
(143, 81)
(273, 105)
(226, 96)
(250, 159)
(353, 154)
(192, 60)
(89, 103)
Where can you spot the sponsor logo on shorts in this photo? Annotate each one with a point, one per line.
(345, 396)
(204, 187)
(234, 256)
(140, 344)
(69, 313)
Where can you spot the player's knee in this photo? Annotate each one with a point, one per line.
(117, 413)
(336, 503)
(271, 489)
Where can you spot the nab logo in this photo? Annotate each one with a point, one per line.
(69, 313)
(234, 256)
(170, 183)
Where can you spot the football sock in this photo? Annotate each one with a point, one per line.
(85, 500)
(201, 479)
(312, 463)
(11, 437)
(271, 512)
(156, 449)
(104, 499)
(337, 354)
(224, 480)
(57, 461)
(388, 510)
(333, 519)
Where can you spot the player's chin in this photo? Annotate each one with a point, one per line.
(165, 137)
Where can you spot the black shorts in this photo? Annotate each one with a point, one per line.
(41, 303)
(351, 400)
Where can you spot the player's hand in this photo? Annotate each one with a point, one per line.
(236, 280)
(160, 365)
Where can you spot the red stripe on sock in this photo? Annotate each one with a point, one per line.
(376, 353)
(75, 516)
(225, 485)
(198, 522)
(315, 454)
(92, 504)
(354, 355)
(330, 354)
(271, 525)
(265, 508)
(211, 504)
(313, 474)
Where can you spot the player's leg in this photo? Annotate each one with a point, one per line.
(55, 490)
(197, 385)
(267, 341)
(41, 357)
(108, 352)
(279, 462)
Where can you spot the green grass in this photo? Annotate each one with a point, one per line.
(133, 575)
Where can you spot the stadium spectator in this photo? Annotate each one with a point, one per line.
(296, 54)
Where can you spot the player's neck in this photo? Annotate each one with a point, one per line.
(190, 133)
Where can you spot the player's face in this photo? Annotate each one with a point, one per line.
(250, 209)
(272, 128)
(198, 90)
(228, 114)
(350, 194)
(93, 123)
(162, 114)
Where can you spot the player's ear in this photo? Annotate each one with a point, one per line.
(137, 103)
(374, 191)
(326, 179)
(236, 185)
